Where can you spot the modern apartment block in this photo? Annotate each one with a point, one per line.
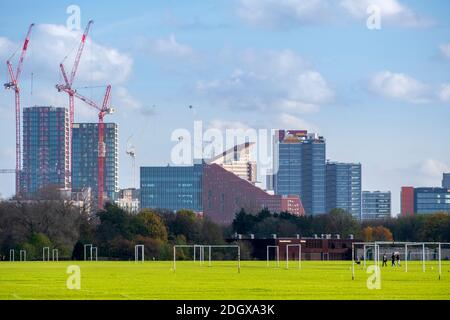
(85, 159)
(172, 187)
(407, 201)
(300, 170)
(376, 205)
(446, 180)
(343, 187)
(45, 146)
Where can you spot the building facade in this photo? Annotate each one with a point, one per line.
(129, 200)
(225, 194)
(343, 187)
(85, 159)
(446, 180)
(376, 205)
(172, 188)
(407, 201)
(299, 159)
(238, 160)
(45, 146)
(424, 200)
(431, 200)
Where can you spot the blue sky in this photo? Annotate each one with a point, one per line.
(380, 97)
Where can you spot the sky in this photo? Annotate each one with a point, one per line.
(380, 96)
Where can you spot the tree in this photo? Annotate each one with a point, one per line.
(155, 227)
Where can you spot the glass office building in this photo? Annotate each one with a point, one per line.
(45, 145)
(85, 158)
(172, 188)
(446, 180)
(300, 160)
(343, 188)
(376, 205)
(431, 200)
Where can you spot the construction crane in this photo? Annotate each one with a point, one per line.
(131, 151)
(67, 87)
(103, 111)
(14, 85)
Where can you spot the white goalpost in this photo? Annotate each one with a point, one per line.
(139, 248)
(23, 255)
(92, 250)
(12, 254)
(397, 247)
(299, 246)
(55, 255)
(45, 254)
(277, 254)
(202, 253)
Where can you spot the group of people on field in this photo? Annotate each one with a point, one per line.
(395, 259)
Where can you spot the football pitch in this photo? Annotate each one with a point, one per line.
(157, 280)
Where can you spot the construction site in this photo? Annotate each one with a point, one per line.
(77, 160)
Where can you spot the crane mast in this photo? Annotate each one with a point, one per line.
(14, 85)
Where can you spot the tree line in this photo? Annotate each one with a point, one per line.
(58, 224)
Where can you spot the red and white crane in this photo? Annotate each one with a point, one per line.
(103, 110)
(67, 87)
(14, 85)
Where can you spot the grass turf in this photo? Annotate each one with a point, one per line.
(156, 280)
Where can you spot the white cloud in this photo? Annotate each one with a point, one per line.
(269, 80)
(399, 86)
(445, 50)
(276, 13)
(171, 47)
(282, 12)
(288, 121)
(392, 12)
(431, 171)
(51, 44)
(444, 92)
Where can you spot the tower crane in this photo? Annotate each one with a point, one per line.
(13, 84)
(67, 87)
(103, 111)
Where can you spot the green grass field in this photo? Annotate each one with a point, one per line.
(156, 280)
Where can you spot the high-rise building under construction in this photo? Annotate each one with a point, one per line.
(45, 145)
(85, 159)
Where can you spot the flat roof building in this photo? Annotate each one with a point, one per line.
(376, 205)
(343, 188)
(45, 149)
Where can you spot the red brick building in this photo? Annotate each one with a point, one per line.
(224, 194)
(407, 201)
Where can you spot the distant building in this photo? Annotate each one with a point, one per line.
(425, 200)
(292, 204)
(172, 187)
(446, 180)
(431, 200)
(299, 158)
(343, 188)
(407, 201)
(45, 146)
(225, 194)
(129, 200)
(85, 159)
(238, 161)
(83, 200)
(376, 205)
